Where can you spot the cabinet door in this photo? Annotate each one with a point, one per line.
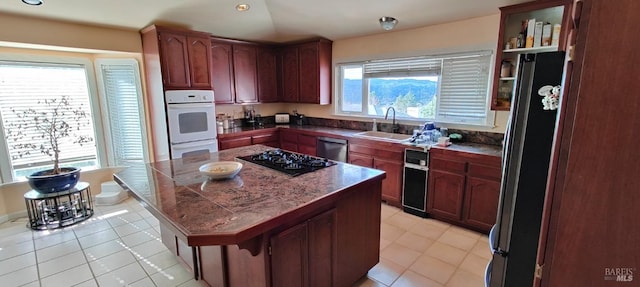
(267, 75)
(481, 202)
(392, 185)
(199, 58)
(290, 73)
(244, 71)
(309, 73)
(269, 139)
(444, 195)
(360, 159)
(222, 73)
(233, 142)
(175, 60)
(322, 249)
(289, 252)
(307, 144)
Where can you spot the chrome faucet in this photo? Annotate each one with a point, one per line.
(394, 127)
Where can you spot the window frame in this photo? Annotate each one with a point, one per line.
(488, 122)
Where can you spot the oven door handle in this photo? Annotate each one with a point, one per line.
(189, 106)
(179, 146)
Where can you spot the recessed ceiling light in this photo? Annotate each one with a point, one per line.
(242, 7)
(33, 2)
(388, 23)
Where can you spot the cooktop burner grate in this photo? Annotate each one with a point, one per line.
(293, 164)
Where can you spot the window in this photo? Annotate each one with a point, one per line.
(28, 85)
(115, 116)
(120, 85)
(446, 88)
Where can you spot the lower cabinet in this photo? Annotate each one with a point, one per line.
(295, 141)
(464, 189)
(303, 255)
(266, 137)
(383, 157)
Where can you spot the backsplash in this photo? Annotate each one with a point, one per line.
(488, 138)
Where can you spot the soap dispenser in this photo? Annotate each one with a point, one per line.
(375, 126)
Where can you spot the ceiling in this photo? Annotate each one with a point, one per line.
(267, 20)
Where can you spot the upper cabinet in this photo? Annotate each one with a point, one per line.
(222, 72)
(306, 72)
(184, 57)
(532, 27)
(234, 69)
(245, 73)
(267, 75)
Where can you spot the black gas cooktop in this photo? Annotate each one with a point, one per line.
(293, 164)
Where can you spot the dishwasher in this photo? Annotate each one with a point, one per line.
(332, 148)
(414, 183)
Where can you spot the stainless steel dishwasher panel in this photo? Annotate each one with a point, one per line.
(332, 148)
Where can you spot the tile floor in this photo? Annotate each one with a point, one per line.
(120, 246)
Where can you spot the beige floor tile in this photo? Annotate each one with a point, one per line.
(33, 284)
(20, 277)
(459, 240)
(124, 218)
(482, 249)
(432, 268)
(131, 227)
(403, 220)
(103, 249)
(384, 243)
(400, 255)
(390, 232)
(428, 230)
(144, 282)
(414, 241)
(141, 237)
(172, 276)
(467, 232)
(147, 249)
(413, 279)
(61, 263)
(465, 279)
(446, 253)
(58, 250)
(368, 282)
(158, 262)
(191, 283)
(385, 272)
(474, 264)
(387, 211)
(69, 277)
(122, 276)
(97, 238)
(89, 283)
(17, 262)
(91, 227)
(15, 249)
(53, 239)
(436, 223)
(111, 262)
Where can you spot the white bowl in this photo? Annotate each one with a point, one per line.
(221, 169)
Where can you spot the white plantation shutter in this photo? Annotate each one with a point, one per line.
(464, 89)
(404, 67)
(25, 85)
(122, 94)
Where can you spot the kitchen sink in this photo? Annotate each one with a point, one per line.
(383, 136)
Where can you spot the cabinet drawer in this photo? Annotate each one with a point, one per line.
(447, 165)
(306, 140)
(287, 136)
(261, 139)
(485, 171)
(234, 142)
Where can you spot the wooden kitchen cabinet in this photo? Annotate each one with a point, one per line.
(304, 254)
(267, 75)
(245, 73)
(184, 56)
(306, 72)
(222, 70)
(293, 140)
(234, 142)
(307, 144)
(383, 156)
(511, 22)
(268, 137)
(464, 188)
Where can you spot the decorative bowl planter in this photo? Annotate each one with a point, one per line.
(44, 182)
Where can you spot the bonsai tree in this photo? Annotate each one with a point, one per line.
(58, 121)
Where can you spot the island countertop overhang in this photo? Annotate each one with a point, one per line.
(258, 199)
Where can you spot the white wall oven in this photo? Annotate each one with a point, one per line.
(191, 117)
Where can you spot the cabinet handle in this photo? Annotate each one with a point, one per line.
(577, 12)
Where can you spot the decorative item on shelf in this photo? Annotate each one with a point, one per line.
(551, 95)
(59, 123)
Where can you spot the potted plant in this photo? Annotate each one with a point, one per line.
(56, 123)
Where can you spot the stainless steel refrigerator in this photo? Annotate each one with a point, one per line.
(525, 165)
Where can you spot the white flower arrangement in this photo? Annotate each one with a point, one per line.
(551, 96)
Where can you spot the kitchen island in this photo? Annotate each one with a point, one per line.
(262, 227)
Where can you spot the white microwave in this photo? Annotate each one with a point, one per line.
(191, 116)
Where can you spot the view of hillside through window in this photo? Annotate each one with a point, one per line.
(411, 97)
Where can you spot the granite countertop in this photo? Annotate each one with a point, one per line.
(229, 211)
(485, 149)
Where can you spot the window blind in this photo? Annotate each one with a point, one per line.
(25, 85)
(464, 89)
(122, 92)
(404, 67)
